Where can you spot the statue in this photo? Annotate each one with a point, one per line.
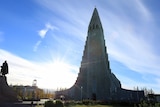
(4, 68)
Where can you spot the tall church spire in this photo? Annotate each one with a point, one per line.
(95, 78)
(95, 44)
(95, 68)
(95, 21)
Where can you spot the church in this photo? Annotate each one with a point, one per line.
(95, 80)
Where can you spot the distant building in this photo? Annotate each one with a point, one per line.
(95, 80)
(27, 92)
(157, 98)
(32, 92)
(153, 98)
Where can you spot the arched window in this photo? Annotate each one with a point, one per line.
(97, 26)
(90, 28)
(93, 26)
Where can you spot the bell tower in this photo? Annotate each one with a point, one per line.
(95, 74)
(95, 80)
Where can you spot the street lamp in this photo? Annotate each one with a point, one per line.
(81, 92)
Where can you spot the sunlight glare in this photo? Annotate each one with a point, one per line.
(59, 75)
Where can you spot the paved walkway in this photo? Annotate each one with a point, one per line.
(23, 103)
(13, 105)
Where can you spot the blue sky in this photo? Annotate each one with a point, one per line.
(44, 40)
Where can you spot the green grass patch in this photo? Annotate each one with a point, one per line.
(91, 106)
(87, 106)
(96, 106)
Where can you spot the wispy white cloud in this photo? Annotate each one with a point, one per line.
(138, 8)
(143, 10)
(36, 45)
(126, 28)
(42, 33)
(134, 52)
(128, 40)
(71, 21)
(130, 43)
(129, 83)
(53, 74)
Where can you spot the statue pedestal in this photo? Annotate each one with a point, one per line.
(7, 94)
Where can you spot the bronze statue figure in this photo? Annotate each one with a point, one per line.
(4, 68)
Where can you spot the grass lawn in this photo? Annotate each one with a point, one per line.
(93, 106)
(87, 106)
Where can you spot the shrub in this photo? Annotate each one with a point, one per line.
(57, 103)
(89, 102)
(69, 103)
(49, 104)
